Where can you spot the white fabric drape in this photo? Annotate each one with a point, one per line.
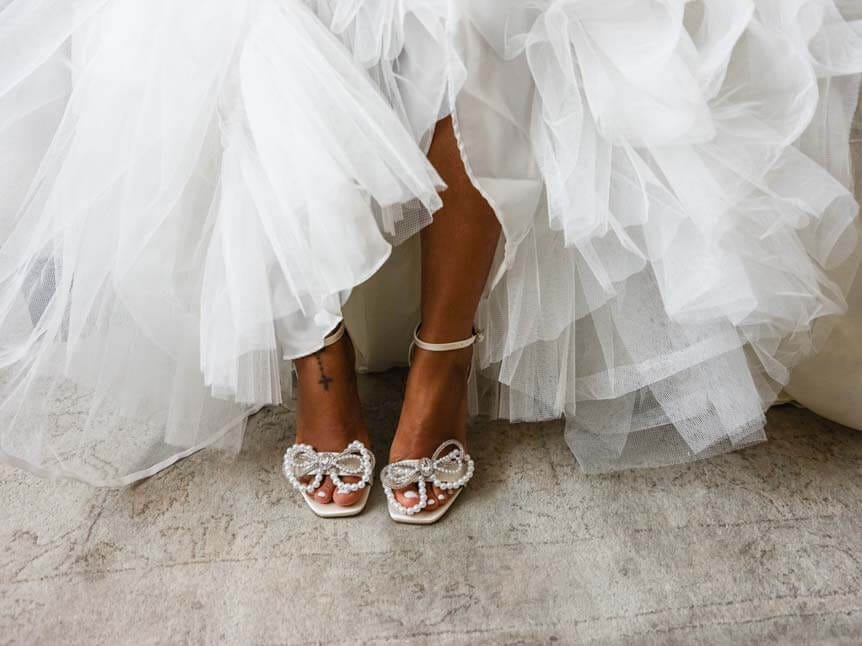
(673, 185)
(830, 382)
(190, 191)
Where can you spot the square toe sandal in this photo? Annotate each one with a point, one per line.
(449, 471)
(302, 461)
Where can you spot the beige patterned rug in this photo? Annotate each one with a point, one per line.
(759, 545)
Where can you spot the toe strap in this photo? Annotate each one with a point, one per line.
(302, 461)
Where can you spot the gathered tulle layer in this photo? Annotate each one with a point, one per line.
(691, 157)
(196, 189)
(199, 186)
(673, 183)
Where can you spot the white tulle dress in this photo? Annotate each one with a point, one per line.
(190, 192)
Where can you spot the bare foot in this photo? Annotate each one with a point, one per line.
(435, 410)
(329, 415)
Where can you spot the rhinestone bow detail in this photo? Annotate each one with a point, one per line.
(450, 470)
(301, 460)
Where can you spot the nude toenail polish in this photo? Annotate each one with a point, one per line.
(411, 494)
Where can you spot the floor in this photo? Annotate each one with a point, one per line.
(764, 544)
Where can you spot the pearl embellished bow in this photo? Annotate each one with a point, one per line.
(450, 471)
(301, 460)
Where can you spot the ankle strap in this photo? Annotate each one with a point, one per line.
(441, 347)
(336, 336)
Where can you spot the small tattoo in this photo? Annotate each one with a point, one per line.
(325, 379)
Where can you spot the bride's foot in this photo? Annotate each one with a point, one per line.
(435, 410)
(329, 414)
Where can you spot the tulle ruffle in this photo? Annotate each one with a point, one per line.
(671, 181)
(399, 43)
(667, 263)
(196, 188)
(190, 205)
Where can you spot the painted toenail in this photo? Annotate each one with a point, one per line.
(411, 494)
(431, 502)
(441, 497)
(321, 494)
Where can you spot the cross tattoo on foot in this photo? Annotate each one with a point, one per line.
(325, 379)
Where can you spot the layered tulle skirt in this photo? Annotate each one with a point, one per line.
(190, 192)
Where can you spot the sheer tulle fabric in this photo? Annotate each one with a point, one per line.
(672, 180)
(830, 381)
(189, 193)
(689, 206)
(695, 236)
(189, 205)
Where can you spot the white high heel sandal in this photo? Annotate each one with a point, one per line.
(303, 461)
(449, 471)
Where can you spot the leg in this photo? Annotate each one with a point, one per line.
(329, 414)
(457, 253)
(457, 249)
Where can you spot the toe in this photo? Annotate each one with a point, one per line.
(323, 494)
(438, 494)
(408, 497)
(347, 499)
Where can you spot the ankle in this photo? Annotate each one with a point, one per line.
(445, 331)
(330, 368)
(442, 366)
(329, 412)
(444, 350)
